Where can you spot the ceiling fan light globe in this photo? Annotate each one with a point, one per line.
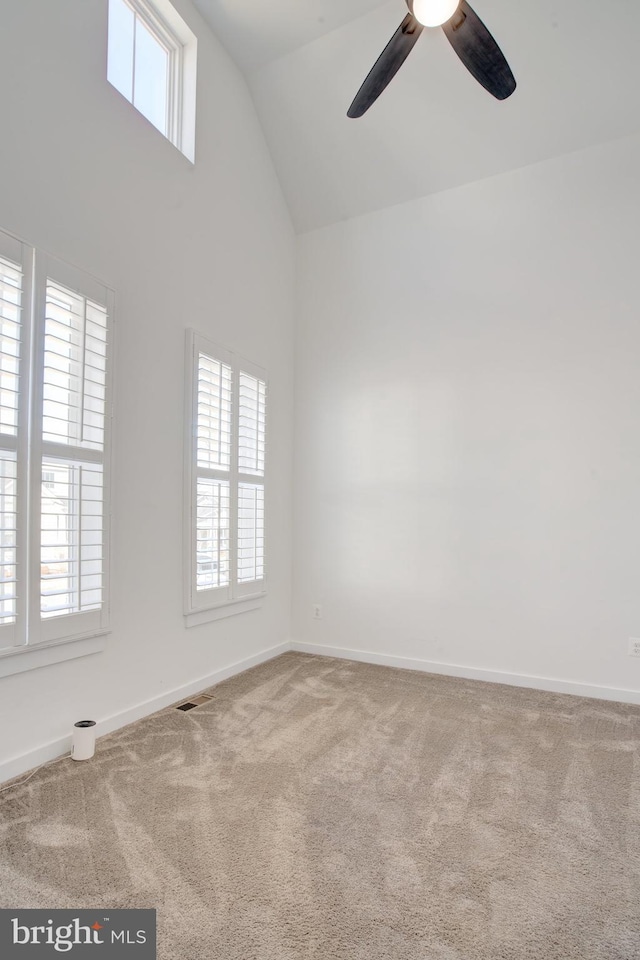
(433, 13)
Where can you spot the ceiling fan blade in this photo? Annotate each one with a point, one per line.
(386, 66)
(479, 52)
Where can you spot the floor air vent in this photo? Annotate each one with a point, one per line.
(195, 702)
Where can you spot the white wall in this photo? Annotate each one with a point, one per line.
(467, 447)
(85, 177)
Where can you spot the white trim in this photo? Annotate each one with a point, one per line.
(222, 610)
(549, 684)
(57, 748)
(20, 659)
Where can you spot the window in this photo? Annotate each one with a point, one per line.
(225, 471)
(152, 62)
(55, 331)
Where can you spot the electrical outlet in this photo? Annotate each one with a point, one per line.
(317, 614)
(634, 647)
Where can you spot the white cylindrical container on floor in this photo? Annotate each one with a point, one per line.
(84, 740)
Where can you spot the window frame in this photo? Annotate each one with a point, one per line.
(166, 38)
(170, 31)
(217, 602)
(37, 640)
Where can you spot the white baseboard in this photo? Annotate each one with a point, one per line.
(58, 748)
(474, 673)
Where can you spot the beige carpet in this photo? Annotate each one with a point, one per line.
(324, 809)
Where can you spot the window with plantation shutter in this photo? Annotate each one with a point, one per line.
(11, 306)
(55, 333)
(213, 453)
(225, 472)
(73, 446)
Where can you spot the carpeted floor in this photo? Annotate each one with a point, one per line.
(323, 809)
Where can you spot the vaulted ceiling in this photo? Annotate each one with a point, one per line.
(576, 63)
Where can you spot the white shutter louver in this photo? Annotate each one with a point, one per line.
(10, 340)
(212, 542)
(250, 532)
(75, 363)
(10, 323)
(71, 555)
(214, 414)
(8, 536)
(213, 455)
(73, 447)
(251, 425)
(251, 452)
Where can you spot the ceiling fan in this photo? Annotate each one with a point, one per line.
(466, 33)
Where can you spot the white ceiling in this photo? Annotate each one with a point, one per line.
(258, 31)
(576, 63)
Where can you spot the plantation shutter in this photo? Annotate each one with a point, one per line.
(73, 421)
(13, 262)
(213, 455)
(251, 455)
(225, 474)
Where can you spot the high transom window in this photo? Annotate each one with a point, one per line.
(152, 62)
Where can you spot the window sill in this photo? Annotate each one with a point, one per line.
(227, 609)
(20, 659)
